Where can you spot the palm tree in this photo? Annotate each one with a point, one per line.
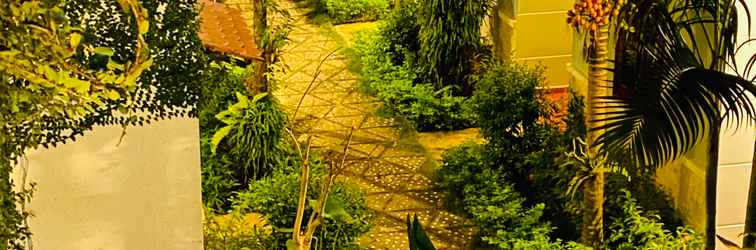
(749, 240)
(670, 88)
(592, 17)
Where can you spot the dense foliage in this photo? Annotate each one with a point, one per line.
(219, 180)
(483, 192)
(169, 88)
(391, 72)
(636, 229)
(58, 82)
(235, 231)
(515, 185)
(345, 11)
(239, 142)
(450, 41)
(253, 134)
(276, 198)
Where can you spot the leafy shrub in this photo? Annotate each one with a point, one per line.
(502, 214)
(276, 197)
(253, 134)
(450, 40)
(636, 229)
(218, 88)
(511, 109)
(462, 165)
(401, 31)
(235, 231)
(344, 11)
(419, 103)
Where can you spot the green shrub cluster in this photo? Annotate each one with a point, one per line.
(254, 146)
(276, 198)
(636, 229)
(514, 188)
(391, 72)
(234, 231)
(346, 11)
(483, 192)
(450, 42)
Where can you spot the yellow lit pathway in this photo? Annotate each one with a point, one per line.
(387, 174)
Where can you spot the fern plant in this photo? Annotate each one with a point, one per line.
(253, 132)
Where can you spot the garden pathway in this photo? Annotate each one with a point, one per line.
(377, 164)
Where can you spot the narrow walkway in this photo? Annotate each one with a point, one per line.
(387, 174)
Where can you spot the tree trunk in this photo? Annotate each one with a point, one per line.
(261, 28)
(749, 240)
(711, 186)
(592, 231)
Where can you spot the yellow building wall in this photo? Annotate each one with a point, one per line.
(534, 32)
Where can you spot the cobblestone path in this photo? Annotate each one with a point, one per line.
(387, 174)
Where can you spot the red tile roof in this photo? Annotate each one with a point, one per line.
(223, 30)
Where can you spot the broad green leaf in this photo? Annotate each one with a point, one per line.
(74, 40)
(50, 73)
(144, 26)
(334, 208)
(104, 51)
(137, 72)
(112, 95)
(418, 238)
(112, 65)
(243, 99)
(284, 230)
(291, 245)
(258, 97)
(226, 117)
(218, 137)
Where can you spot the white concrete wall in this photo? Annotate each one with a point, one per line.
(143, 194)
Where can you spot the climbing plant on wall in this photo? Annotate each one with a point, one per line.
(65, 67)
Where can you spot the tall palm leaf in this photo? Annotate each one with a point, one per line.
(673, 89)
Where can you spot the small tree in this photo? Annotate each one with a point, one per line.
(669, 68)
(270, 37)
(323, 207)
(592, 18)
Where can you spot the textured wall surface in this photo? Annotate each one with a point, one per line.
(534, 32)
(141, 194)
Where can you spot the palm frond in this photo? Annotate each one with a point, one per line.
(675, 92)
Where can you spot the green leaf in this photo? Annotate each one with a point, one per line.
(112, 95)
(74, 40)
(144, 26)
(104, 51)
(258, 97)
(112, 65)
(284, 230)
(50, 73)
(218, 137)
(243, 99)
(334, 208)
(291, 245)
(418, 239)
(226, 117)
(134, 75)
